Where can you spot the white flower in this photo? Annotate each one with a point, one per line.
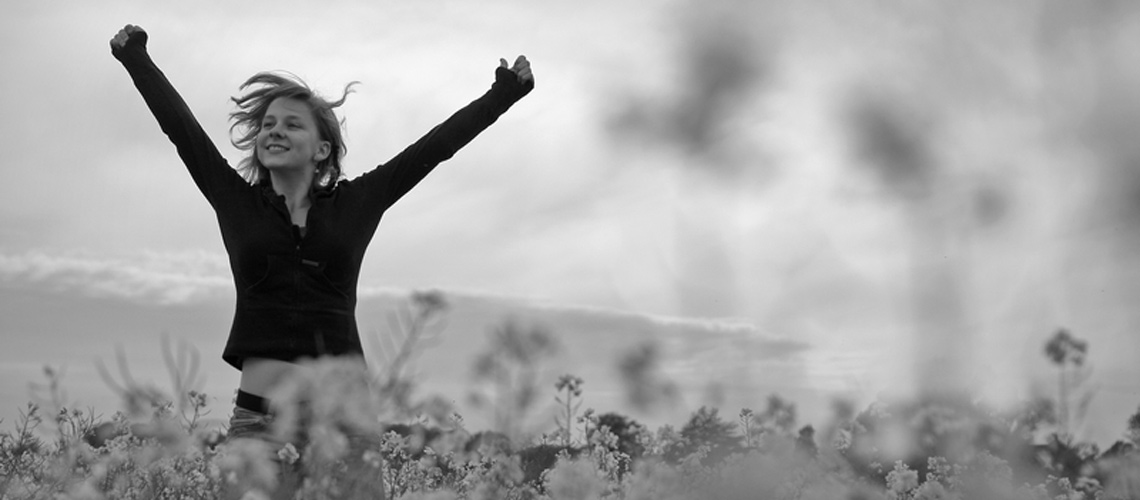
(288, 453)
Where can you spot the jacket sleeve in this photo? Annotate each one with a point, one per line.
(385, 184)
(207, 166)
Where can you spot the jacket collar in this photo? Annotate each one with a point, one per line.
(266, 187)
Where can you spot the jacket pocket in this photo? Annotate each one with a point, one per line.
(275, 284)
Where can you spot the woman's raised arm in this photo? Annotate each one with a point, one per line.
(388, 182)
(207, 166)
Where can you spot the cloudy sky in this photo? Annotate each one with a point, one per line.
(815, 201)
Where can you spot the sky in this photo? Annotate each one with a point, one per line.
(818, 201)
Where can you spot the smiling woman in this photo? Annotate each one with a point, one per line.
(285, 111)
(295, 230)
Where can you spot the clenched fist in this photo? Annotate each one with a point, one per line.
(520, 68)
(129, 35)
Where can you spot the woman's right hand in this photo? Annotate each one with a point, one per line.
(129, 35)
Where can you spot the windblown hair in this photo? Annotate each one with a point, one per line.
(251, 111)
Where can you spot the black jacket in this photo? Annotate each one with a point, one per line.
(296, 295)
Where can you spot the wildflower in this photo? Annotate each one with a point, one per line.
(901, 480)
(933, 490)
(571, 383)
(604, 437)
(288, 453)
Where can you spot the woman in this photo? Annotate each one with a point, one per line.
(294, 229)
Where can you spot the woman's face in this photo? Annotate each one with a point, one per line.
(289, 138)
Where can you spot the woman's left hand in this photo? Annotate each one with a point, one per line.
(521, 68)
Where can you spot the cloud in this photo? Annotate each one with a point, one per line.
(696, 336)
(145, 277)
(704, 331)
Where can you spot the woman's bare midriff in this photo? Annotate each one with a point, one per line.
(260, 375)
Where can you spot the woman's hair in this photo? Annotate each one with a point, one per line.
(251, 111)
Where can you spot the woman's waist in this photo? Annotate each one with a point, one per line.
(285, 337)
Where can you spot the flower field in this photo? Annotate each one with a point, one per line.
(348, 433)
